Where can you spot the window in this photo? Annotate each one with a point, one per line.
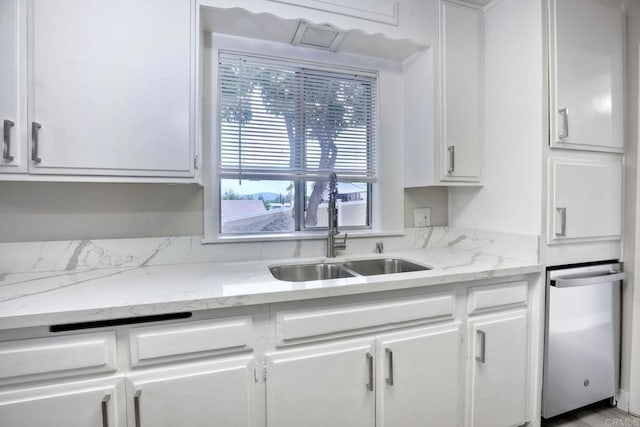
(283, 127)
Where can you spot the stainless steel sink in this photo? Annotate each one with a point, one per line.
(373, 266)
(305, 272)
(361, 267)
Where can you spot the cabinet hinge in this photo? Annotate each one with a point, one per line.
(195, 162)
(264, 371)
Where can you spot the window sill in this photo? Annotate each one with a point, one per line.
(321, 235)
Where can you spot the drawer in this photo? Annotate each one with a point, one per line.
(156, 344)
(311, 323)
(485, 298)
(55, 357)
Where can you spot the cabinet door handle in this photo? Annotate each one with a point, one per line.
(483, 345)
(370, 362)
(136, 407)
(35, 128)
(389, 353)
(105, 412)
(563, 222)
(564, 112)
(6, 137)
(452, 158)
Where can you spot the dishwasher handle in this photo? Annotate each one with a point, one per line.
(612, 276)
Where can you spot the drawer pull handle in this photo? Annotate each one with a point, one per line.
(136, 407)
(390, 357)
(35, 128)
(6, 137)
(452, 159)
(564, 112)
(370, 362)
(105, 412)
(483, 346)
(563, 222)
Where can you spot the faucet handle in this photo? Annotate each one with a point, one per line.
(342, 245)
(379, 247)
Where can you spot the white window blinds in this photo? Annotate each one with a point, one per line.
(279, 120)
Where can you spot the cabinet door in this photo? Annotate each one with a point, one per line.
(320, 386)
(587, 45)
(498, 348)
(461, 73)
(201, 395)
(79, 404)
(418, 381)
(585, 200)
(12, 71)
(111, 87)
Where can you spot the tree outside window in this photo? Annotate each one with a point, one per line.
(294, 125)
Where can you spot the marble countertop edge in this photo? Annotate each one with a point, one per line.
(95, 295)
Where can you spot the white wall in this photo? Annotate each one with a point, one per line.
(435, 198)
(35, 211)
(513, 107)
(40, 211)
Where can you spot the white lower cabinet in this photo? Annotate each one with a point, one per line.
(453, 357)
(213, 393)
(217, 393)
(419, 381)
(77, 404)
(498, 369)
(322, 385)
(410, 378)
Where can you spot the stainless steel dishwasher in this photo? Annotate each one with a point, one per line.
(582, 336)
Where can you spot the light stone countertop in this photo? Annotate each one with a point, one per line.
(53, 297)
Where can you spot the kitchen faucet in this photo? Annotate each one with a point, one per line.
(332, 245)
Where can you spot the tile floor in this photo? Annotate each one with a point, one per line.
(594, 416)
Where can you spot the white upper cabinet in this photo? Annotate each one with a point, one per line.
(12, 107)
(585, 200)
(586, 74)
(460, 98)
(443, 103)
(112, 88)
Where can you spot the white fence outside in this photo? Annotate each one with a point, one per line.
(280, 219)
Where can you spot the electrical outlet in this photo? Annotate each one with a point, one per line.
(421, 217)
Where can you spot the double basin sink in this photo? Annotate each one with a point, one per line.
(329, 270)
